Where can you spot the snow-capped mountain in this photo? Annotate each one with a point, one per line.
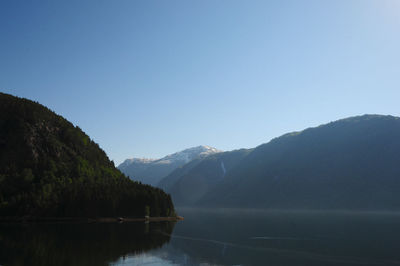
(128, 162)
(188, 155)
(151, 171)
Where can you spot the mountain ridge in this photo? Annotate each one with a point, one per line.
(351, 163)
(189, 183)
(151, 171)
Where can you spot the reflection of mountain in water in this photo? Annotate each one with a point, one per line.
(212, 237)
(285, 238)
(78, 244)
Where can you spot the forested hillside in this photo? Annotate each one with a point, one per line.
(49, 167)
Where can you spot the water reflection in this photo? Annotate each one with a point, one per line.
(234, 237)
(144, 259)
(212, 237)
(79, 244)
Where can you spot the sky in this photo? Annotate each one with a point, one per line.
(149, 78)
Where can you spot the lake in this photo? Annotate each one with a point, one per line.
(212, 237)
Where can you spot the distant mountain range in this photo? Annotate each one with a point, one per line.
(191, 182)
(151, 171)
(352, 163)
(49, 167)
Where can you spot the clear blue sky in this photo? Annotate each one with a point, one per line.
(148, 78)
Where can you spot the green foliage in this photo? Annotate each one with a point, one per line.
(147, 210)
(48, 167)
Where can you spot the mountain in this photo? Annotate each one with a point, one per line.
(352, 163)
(151, 171)
(49, 167)
(189, 183)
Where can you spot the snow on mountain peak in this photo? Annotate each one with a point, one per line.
(150, 171)
(189, 154)
(136, 160)
(184, 156)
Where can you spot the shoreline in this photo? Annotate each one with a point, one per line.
(88, 220)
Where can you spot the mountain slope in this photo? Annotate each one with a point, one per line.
(189, 183)
(48, 167)
(352, 163)
(151, 171)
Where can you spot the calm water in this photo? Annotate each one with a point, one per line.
(223, 237)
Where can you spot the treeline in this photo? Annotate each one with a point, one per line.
(48, 167)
